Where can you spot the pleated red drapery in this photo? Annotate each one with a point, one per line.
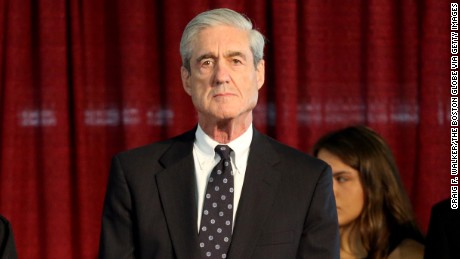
(81, 80)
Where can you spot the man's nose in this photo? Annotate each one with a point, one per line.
(221, 74)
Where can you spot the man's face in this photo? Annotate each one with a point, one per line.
(223, 81)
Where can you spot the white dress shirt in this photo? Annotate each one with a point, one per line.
(206, 159)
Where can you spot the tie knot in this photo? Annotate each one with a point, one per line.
(223, 151)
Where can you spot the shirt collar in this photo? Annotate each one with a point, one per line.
(204, 146)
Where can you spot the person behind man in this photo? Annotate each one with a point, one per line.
(443, 236)
(375, 215)
(7, 246)
(221, 190)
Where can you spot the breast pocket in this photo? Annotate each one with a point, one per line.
(276, 238)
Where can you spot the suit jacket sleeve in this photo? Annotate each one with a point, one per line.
(320, 238)
(7, 246)
(116, 234)
(287, 207)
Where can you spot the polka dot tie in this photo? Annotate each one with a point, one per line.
(216, 220)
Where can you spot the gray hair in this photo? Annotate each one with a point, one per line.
(222, 16)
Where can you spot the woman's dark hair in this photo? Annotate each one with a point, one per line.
(387, 214)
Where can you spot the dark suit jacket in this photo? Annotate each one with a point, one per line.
(7, 247)
(443, 237)
(286, 210)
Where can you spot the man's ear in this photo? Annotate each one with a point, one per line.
(260, 70)
(185, 76)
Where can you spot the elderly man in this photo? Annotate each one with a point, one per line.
(221, 190)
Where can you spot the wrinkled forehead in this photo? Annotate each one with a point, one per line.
(220, 39)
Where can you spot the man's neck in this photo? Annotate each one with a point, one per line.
(224, 131)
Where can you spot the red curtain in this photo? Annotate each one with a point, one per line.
(81, 80)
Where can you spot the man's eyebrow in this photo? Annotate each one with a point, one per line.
(232, 54)
(206, 56)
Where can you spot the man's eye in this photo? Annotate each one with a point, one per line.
(236, 61)
(206, 63)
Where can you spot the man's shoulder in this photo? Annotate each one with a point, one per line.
(158, 148)
(443, 206)
(294, 155)
(443, 212)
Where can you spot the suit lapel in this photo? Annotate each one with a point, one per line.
(177, 188)
(259, 189)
